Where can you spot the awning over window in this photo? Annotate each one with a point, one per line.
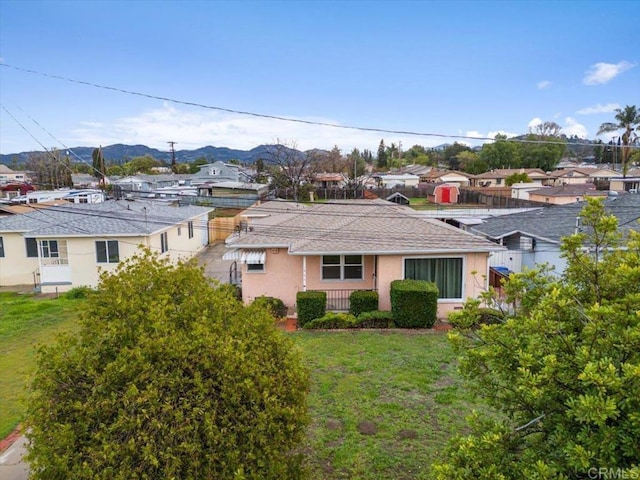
(232, 255)
(252, 257)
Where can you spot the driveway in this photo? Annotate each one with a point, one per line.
(214, 265)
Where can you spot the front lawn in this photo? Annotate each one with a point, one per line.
(382, 404)
(25, 323)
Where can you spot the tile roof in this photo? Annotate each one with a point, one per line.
(358, 227)
(554, 222)
(111, 218)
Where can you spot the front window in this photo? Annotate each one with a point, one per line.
(446, 273)
(1, 247)
(342, 267)
(53, 252)
(107, 251)
(190, 228)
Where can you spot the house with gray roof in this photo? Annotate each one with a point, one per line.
(68, 245)
(339, 247)
(534, 237)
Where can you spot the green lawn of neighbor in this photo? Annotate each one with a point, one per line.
(26, 322)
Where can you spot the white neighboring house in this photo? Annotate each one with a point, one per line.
(534, 237)
(72, 196)
(66, 246)
(8, 175)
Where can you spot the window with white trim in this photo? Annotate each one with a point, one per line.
(32, 247)
(342, 267)
(164, 242)
(255, 267)
(1, 247)
(190, 228)
(107, 251)
(53, 252)
(446, 273)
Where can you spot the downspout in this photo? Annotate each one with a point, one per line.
(304, 273)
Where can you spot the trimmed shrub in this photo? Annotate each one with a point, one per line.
(414, 303)
(375, 319)
(332, 320)
(363, 301)
(310, 305)
(276, 306)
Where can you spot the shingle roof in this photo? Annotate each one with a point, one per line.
(553, 223)
(111, 218)
(570, 190)
(357, 227)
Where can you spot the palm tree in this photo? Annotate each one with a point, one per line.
(629, 121)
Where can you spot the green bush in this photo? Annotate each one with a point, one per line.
(414, 303)
(310, 305)
(78, 292)
(332, 320)
(490, 316)
(363, 301)
(276, 306)
(179, 381)
(375, 319)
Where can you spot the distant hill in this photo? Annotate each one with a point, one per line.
(122, 153)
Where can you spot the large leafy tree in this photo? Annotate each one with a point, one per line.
(169, 377)
(559, 359)
(627, 120)
(501, 153)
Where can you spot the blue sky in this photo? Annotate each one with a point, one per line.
(454, 68)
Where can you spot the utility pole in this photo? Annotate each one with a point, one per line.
(173, 156)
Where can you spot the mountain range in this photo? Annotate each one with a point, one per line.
(122, 153)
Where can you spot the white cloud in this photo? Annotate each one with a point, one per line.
(534, 123)
(194, 129)
(571, 127)
(543, 84)
(601, 72)
(608, 108)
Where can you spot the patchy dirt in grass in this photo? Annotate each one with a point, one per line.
(333, 424)
(367, 427)
(407, 435)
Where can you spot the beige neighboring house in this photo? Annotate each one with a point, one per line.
(67, 245)
(286, 248)
(565, 194)
(460, 179)
(569, 176)
(9, 176)
(498, 177)
(630, 183)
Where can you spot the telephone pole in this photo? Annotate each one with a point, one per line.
(173, 156)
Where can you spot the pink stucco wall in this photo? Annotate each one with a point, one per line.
(283, 278)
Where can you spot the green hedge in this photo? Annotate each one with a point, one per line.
(310, 305)
(362, 301)
(414, 303)
(375, 319)
(276, 306)
(332, 320)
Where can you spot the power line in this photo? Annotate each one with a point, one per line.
(281, 118)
